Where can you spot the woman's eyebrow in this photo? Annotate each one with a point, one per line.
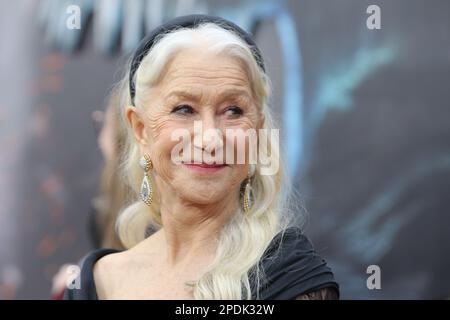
(235, 93)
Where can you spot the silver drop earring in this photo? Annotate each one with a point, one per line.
(146, 187)
(248, 193)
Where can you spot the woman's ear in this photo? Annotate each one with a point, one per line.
(136, 123)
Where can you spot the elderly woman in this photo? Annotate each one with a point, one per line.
(200, 229)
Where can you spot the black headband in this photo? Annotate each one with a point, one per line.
(186, 21)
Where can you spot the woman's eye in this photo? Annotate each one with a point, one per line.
(234, 111)
(183, 109)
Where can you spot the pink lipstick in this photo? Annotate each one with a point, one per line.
(205, 168)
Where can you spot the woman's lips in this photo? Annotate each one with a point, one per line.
(205, 168)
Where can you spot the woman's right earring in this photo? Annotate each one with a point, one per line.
(146, 186)
(248, 194)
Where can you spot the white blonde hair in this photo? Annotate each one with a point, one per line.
(244, 239)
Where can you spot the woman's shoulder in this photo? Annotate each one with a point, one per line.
(84, 287)
(293, 268)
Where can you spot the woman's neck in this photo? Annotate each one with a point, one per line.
(190, 231)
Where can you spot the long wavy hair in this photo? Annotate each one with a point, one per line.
(243, 241)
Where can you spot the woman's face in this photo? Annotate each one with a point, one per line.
(199, 88)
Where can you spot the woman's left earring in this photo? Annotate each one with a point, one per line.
(146, 186)
(248, 193)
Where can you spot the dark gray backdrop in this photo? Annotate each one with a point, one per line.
(371, 132)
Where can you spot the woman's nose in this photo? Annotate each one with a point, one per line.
(209, 137)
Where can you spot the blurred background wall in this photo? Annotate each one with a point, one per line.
(364, 114)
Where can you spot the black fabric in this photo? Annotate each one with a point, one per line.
(291, 265)
(186, 21)
(292, 268)
(87, 290)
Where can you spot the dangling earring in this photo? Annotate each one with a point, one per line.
(146, 186)
(248, 193)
